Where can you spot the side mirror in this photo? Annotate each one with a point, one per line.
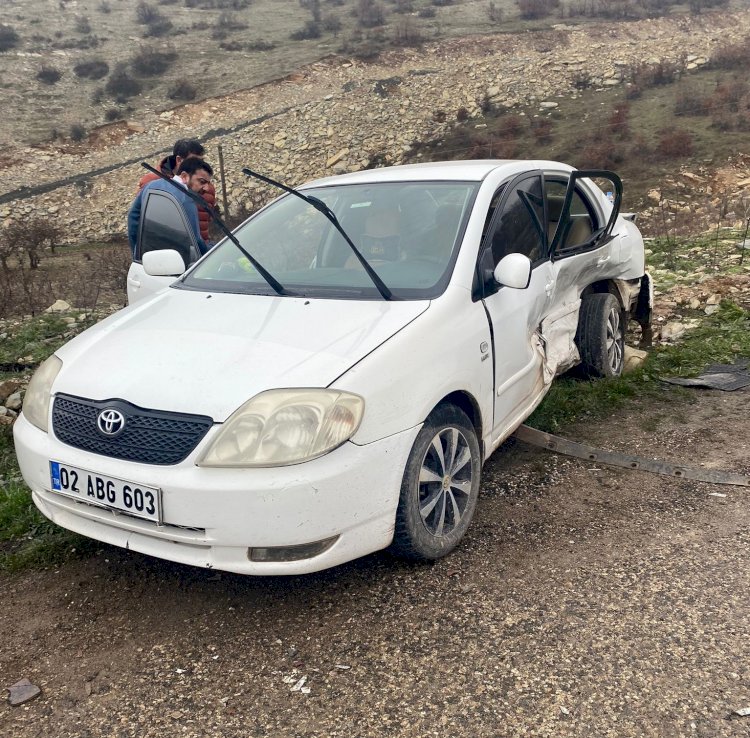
(513, 270)
(164, 263)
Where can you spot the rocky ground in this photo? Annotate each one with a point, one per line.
(339, 114)
(585, 601)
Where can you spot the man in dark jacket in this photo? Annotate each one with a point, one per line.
(193, 174)
(185, 148)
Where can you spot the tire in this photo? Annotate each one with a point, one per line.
(440, 487)
(601, 336)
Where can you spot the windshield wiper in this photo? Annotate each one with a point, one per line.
(277, 287)
(323, 208)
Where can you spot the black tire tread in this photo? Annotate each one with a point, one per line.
(404, 544)
(591, 334)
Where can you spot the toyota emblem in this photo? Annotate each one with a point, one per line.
(110, 422)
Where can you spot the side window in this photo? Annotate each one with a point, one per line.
(518, 227)
(581, 224)
(163, 226)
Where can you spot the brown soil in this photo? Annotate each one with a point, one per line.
(585, 601)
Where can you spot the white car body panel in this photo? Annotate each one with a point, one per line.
(206, 353)
(229, 348)
(349, 493)
(140, 285)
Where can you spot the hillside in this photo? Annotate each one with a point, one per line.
(343, 113)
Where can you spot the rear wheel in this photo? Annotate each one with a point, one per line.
(601, 335)
(440, 487)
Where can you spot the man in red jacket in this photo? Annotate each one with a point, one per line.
(185, 148)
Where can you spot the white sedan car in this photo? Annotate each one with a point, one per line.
(331, 382)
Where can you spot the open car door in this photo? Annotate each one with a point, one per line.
(566, 239)
(163, 227)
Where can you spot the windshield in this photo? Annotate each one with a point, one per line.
(407, 232)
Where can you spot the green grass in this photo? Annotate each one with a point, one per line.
(27, 538)
(721, 338)
(34, 339)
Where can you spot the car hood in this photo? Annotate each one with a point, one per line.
(208, 353)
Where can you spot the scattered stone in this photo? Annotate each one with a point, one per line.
(22, 691)
(14, 402)
(672, 331)
(336, 158)
(59, 306)
(9, 387)
(633, 358)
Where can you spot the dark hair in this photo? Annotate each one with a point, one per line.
(185, 147)
(193, 165)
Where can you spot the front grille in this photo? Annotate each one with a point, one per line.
(149, 436)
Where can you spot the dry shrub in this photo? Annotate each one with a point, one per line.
(510, 126)
(110, 264)
(663, 72)
(407, 33)
(581, 80)
(159, 28)
(618, 124)
(541, 130)
(49, 75)
(369, 13)
(729, 105)
(77, 132)
(24, 288)
(600, 154)
(536, 9)
(182, 90)
(494, 13)
(121, 84)
(147, 14)
(310, 30)
(674, 143)
(9, 38)
(152, 62)
(690, 102)
(488, 146)
(732, 56)
(92, 69)
(28, 239)
(259, 45)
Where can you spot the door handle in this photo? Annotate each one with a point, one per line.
(602, 260)
(548, 288)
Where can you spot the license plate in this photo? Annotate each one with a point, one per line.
(139, 500)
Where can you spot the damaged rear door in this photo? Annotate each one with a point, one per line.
(583, 250)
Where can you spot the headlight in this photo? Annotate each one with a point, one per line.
(36, 400)
(286, 426)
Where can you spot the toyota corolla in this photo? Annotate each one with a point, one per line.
(330, 380)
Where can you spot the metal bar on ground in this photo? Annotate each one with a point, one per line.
(581, 451)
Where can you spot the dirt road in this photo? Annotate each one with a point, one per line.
(586, 601)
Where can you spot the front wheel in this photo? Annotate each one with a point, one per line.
(440, 487)
(601, 335)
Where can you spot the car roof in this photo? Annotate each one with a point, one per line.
(474, 170)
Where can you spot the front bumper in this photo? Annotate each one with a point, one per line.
(212, 517)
